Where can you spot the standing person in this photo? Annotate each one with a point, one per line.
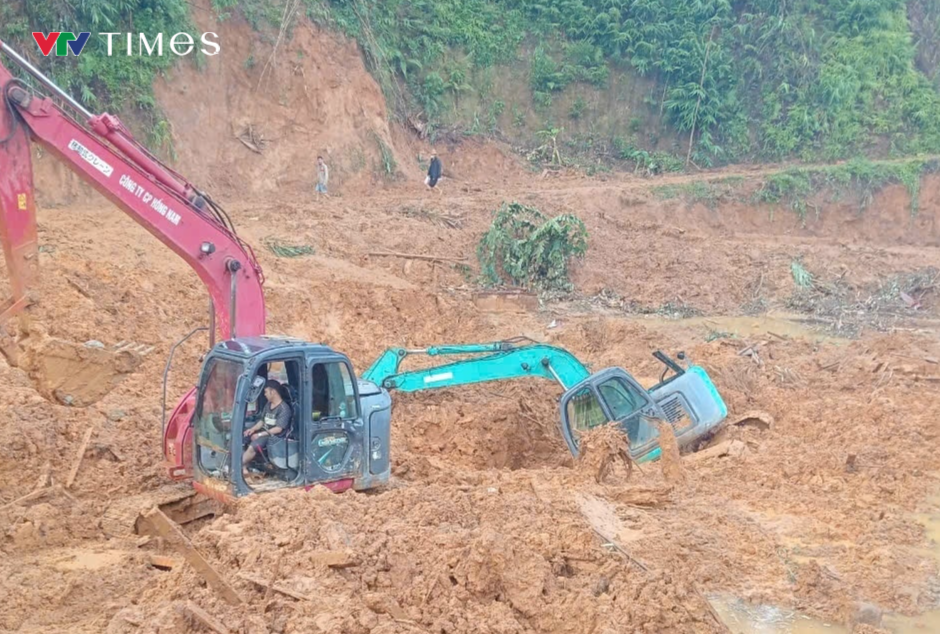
(434, 171)
(323, 175)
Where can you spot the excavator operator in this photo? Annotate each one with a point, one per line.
(274, 422)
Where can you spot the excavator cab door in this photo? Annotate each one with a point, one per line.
(333, 427)
(610, 395)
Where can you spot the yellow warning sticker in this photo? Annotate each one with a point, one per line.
(21, 201)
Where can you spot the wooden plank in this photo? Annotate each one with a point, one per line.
(415, 256)
(334, 558)
(160, 561)
(167, 529)
(203, 617)
(79, 457)
(276, 587)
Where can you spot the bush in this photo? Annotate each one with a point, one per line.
(524, 248)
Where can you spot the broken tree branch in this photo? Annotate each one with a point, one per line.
(415, 256)
(203, 617)
(26, 498)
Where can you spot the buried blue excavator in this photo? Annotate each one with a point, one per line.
(687, 399)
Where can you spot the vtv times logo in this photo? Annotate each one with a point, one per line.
(181, 44)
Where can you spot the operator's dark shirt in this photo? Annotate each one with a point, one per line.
(279, 416)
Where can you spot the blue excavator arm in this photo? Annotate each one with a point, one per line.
(688, 400)
(509, 359)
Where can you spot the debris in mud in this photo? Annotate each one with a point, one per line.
(754, 418)
(845, 309)
(732, 448)
(601, 448)
(670, 459)
(433, 216)
(677, 308)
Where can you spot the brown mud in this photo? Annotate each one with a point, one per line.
(489, 524)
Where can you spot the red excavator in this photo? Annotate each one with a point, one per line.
(341, 425)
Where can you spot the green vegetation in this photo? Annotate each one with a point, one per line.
(754, 79)
(706, 81)
(795, 188)
(119, 83)
(801, 277)
(284, 250)
(388, 167)
(524, 248)
(708, 193)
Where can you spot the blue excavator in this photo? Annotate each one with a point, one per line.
(687, 399)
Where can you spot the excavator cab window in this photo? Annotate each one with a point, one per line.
(584, 410)
(622, 398)
(625, 402)
(278, 464)
(213, 420)
(334, 399)
(333, 394)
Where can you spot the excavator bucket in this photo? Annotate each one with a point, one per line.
(70, 373)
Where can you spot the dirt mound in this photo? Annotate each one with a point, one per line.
(491, 558)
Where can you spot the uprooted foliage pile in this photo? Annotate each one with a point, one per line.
(524, 248)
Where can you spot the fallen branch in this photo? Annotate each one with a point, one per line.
(711, 610)
(620, 549)
(415, 256)
(78, 287)
(26, 498)
(249, 145)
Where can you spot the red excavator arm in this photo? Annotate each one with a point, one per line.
(103, 152)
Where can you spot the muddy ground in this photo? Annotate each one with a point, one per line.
(489, 525)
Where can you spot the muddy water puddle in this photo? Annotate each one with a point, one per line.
(744, 618)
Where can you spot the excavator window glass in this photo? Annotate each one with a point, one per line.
(622, 398)
(213, 424)
(333, 393)
(584, 410)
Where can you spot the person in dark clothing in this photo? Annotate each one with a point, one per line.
(275, 421)
(434, 171)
